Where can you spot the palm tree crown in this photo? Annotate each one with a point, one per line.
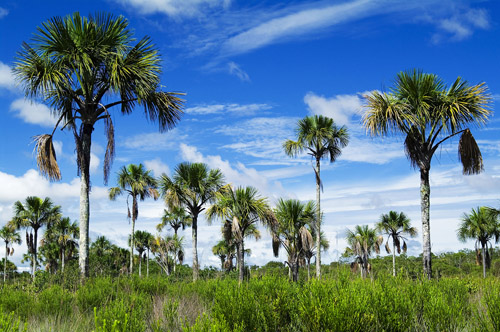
(137, 183)
(83, 68)
(192, 186)
(483, 226)
(320, 137)
(10, 236)
(176, 217)
(395, 226)
(427, 112)
(362, 242)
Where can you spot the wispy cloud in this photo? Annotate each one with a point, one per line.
(32, 112)
(154, 141)
(237, 109)
(174, 8)
(3, 12)
(461, 25)
(234, 69)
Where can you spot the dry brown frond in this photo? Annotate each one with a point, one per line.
(46, 157)
(109, 130)
(469, 154)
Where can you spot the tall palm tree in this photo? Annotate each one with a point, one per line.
(395, 226)
(176, 217)
(480, 225)
(292, 231)
(320, 138)
(83, 68)
(10, 236)
(142, 240)
(137, 183)
(192, 186)
(64, 233)
(362, 242)
(240, 209)
(34, 214)
(428, 113)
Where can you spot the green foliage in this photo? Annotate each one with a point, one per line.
(9, 322)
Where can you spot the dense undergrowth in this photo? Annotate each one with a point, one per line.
(340, 302)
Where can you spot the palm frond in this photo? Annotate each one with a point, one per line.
(46, 157)
(469, 154)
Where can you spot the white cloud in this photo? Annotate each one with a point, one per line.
(3, 12)
(32, 112)
(461, 25)
(236, 70)
(154, 141)
(238, 109)
(340, 108)
(94, 162)
(157, 166)
(174, 8)
(7, 80)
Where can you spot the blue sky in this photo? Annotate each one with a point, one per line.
(250, 71)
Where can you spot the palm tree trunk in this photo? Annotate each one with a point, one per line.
(134, 217)
(5, 262)
(241, 262)
(147, 265)
(34, 251)
(84, 162)
(318, 220)
(484, 261)
(393, 259)
(425, 192)
(308, 269)
(194, 229)
(62, 261)
(140, 264)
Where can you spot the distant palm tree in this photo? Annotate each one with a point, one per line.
(480, 225)
(83, 68)
(176, 217)
(292, 231)
(149, 244)
(142, 239)
(320, 138)
(192, 186)
(169, 251)
(221, 250)
(240, 209)
(34, 214)
(10, 236)
(101, 246)
(428, 113)
(362, 242)
(137, 183)
(395, 226)
(64, 233)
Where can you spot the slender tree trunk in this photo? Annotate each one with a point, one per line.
(194, 229)
(241, 262)
(132, 236)
(393, 259)
(425, 192)
(35, 256)
(484, 261)
(295, 269)
(62, 261)
(84, 163)
(147, 265)
(5, 262)
(222, 259)
(308, 269)
(318, 220)
(140, 264)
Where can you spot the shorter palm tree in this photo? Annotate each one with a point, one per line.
(142, 240)
(176, 217)
(137, 183)
(10, 236)
(480, 225)
(292, 231)
(395, 226)
(64, 233)
(362, 242)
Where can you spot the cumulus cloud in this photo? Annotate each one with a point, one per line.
(340, 107)
(157, 166)
(32, 112)
(7, 80)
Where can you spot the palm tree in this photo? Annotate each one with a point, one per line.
(320, 137)
(142, 239)
(428, 113)
(362, 241)
(83, 67)
(480, 225)
(137, 183)
(9, 235)
(395, 226)
(240, 209)
(176, 218)
(221, 250)
(34, 214)
(192, 186)
(64, 233)
(177, 249)
(149, 243)
(169, 251)
(292, 231)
